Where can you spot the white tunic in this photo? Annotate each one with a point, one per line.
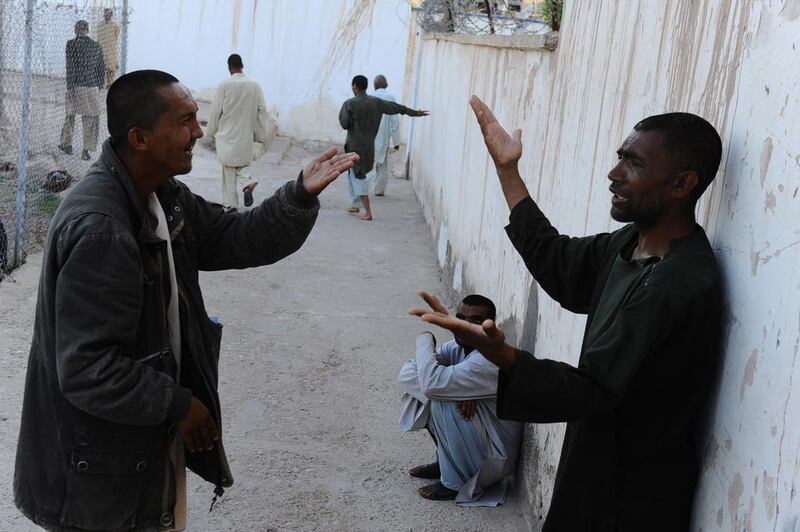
(238, 117)
(450, 374)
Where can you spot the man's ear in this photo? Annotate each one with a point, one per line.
(137, 139)
(684, 184)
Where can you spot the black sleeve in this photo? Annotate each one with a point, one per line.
(566, 268)
(263, 235)
(546, 391)
(392, 108)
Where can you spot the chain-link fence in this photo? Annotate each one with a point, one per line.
(56, 61)
(483, 17)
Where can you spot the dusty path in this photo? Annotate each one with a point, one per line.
(311, 350)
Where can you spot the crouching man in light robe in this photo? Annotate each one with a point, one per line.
(452, 392)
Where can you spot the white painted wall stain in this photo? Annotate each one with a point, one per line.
(737, 64)
(303, 52)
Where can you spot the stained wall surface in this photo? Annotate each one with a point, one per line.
(304, 53)
(736, 63)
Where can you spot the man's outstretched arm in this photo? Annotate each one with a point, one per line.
(273, 230)
(391, 108)
(565, 267)
(547, 391)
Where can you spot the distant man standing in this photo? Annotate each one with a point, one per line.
(85, 78)
(361, 117)
(108, 39)
(385, 140)
(238, 117)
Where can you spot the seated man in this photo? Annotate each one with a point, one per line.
(452, 392)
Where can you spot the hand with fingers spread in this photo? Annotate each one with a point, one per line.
(504, 149)
(324, 170)
(198, 428)
(486, 338)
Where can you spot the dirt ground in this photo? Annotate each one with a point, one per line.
(311, 350)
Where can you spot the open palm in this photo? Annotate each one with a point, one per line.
(504, 149)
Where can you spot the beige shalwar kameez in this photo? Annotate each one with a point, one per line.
(238, 117)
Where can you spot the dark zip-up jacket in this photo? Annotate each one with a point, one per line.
(101, 402)
(629, 461)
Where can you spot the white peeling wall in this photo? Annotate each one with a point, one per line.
(303, 52)
(736, 63)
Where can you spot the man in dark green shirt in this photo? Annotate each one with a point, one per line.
(652, 294)
(361, 117)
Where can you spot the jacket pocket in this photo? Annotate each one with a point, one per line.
(103, 488)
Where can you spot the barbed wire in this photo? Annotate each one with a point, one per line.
(482, 17)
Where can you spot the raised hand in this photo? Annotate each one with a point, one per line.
(486, 338)
(323, 170)
(504, 149)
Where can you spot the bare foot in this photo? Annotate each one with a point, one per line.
(366, 216)
(352, 210)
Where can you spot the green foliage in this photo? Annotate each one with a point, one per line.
(552, 10)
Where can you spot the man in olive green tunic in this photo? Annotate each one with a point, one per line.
(361, 117)
(651, 290)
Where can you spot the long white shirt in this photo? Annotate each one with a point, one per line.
(238, 117)
(387, 130)
(450, 374)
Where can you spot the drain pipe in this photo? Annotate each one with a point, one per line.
(414, 95)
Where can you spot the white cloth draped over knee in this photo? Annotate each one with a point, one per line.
(447, 376)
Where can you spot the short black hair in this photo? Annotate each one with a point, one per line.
(82, 25)
(235, 61)
(135, 100)
(361, 82)
(477, 300)
(692, 140)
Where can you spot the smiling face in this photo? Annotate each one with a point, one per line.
(476, 314)
(171, 141)
(642, 182)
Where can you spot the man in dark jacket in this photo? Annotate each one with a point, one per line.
(85, 79)
(361, 117)
(652, 294)
(122, 374)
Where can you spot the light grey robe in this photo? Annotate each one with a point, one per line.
(450, 375)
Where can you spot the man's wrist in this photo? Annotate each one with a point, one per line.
(301, 194)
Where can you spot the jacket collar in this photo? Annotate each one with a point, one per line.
(167, 193)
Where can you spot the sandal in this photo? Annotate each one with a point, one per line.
(426, 471)
(437, 492)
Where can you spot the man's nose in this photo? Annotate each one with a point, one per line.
(197, 131)
(614, 174)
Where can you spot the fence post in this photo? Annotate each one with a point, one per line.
(2, 63)
(123, 60)
(19, 237)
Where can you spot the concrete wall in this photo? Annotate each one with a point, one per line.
(737, 63)
(303, 52)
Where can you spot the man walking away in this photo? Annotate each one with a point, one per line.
(238, 116)
(385, 140)
(85, 78)
(452, 392)
(108, 39)
(361, 117)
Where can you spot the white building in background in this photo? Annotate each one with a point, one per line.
(304, 53)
